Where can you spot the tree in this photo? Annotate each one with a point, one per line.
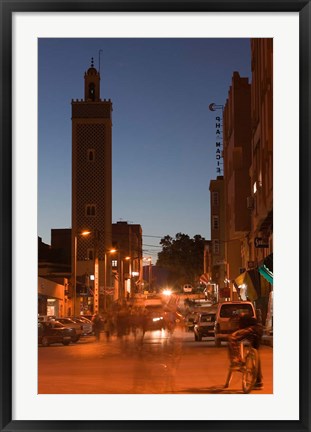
(183, 257)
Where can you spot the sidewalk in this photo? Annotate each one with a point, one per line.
(267, 340)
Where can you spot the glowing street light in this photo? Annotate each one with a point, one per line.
(84, 234)
(111, 251)
(149, 260)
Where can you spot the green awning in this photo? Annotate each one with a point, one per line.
(266, 268)
(266, 273)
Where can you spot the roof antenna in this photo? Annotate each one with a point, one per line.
(92, 62)
(99, 52)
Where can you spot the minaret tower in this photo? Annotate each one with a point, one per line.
(91, 189)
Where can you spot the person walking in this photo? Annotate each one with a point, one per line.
(108, 327)
(97, 326)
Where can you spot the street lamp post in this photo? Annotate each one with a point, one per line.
(121, 283)
(105, 276)
(83, 233)
(121, 279)
(150, 274)
(96, 281)
(105, 280)
(127, 258)
(149, 261)
(95, 232)
(75, 276)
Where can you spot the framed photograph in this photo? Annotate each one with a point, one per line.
(33, 35)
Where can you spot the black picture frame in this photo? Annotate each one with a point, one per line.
(7, 9)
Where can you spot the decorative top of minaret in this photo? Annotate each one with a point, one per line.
(91, 84)
(91, 70)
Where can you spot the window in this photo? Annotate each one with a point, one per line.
(215, 222)
(215, 198)
(216, 246)
(91, 155)
(90, 210)
(90, 254)
(114, 263)
(92, 91)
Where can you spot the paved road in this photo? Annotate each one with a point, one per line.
(163, 363)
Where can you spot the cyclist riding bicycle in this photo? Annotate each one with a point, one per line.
(249, 329)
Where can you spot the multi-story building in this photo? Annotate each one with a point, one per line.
(218, 237)
(91, 186)
(261, 170)
(248, 175)
(237, 161)
(127, 239)
(53, 278)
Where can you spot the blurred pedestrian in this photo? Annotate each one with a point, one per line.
(97, 325)
(108, 327)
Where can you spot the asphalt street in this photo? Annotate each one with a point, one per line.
(161, 363)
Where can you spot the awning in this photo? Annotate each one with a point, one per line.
(265, 268)
(250, 282)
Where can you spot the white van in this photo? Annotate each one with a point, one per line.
(225, 322)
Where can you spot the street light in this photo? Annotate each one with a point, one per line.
(96, 271)
(149, 259)
(121, 291)
(105, 276)
(83, 233)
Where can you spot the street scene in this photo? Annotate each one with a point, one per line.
(163, 362)
(155, 216)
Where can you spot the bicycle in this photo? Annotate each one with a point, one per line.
(248, 367)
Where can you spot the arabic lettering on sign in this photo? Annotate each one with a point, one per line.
(261, 243)
(219, 162)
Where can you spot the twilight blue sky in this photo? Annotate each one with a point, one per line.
(163, 137)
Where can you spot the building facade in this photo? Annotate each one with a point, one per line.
(127, 239)
(218, 237)
(237, 161)
(248, 179)
(260, 243)
(53, 278)
(261, 170)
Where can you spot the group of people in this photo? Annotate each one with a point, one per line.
(125, 321)
(122, 322)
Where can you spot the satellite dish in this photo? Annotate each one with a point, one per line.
(212, 107)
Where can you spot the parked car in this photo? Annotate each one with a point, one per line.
(45, 318)
(87, 317)
(87, 326)
(50, 332)
(227, 318)
(187, 288)
(204, 324)
(69, 323)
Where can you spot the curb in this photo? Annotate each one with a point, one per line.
(267, 340)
